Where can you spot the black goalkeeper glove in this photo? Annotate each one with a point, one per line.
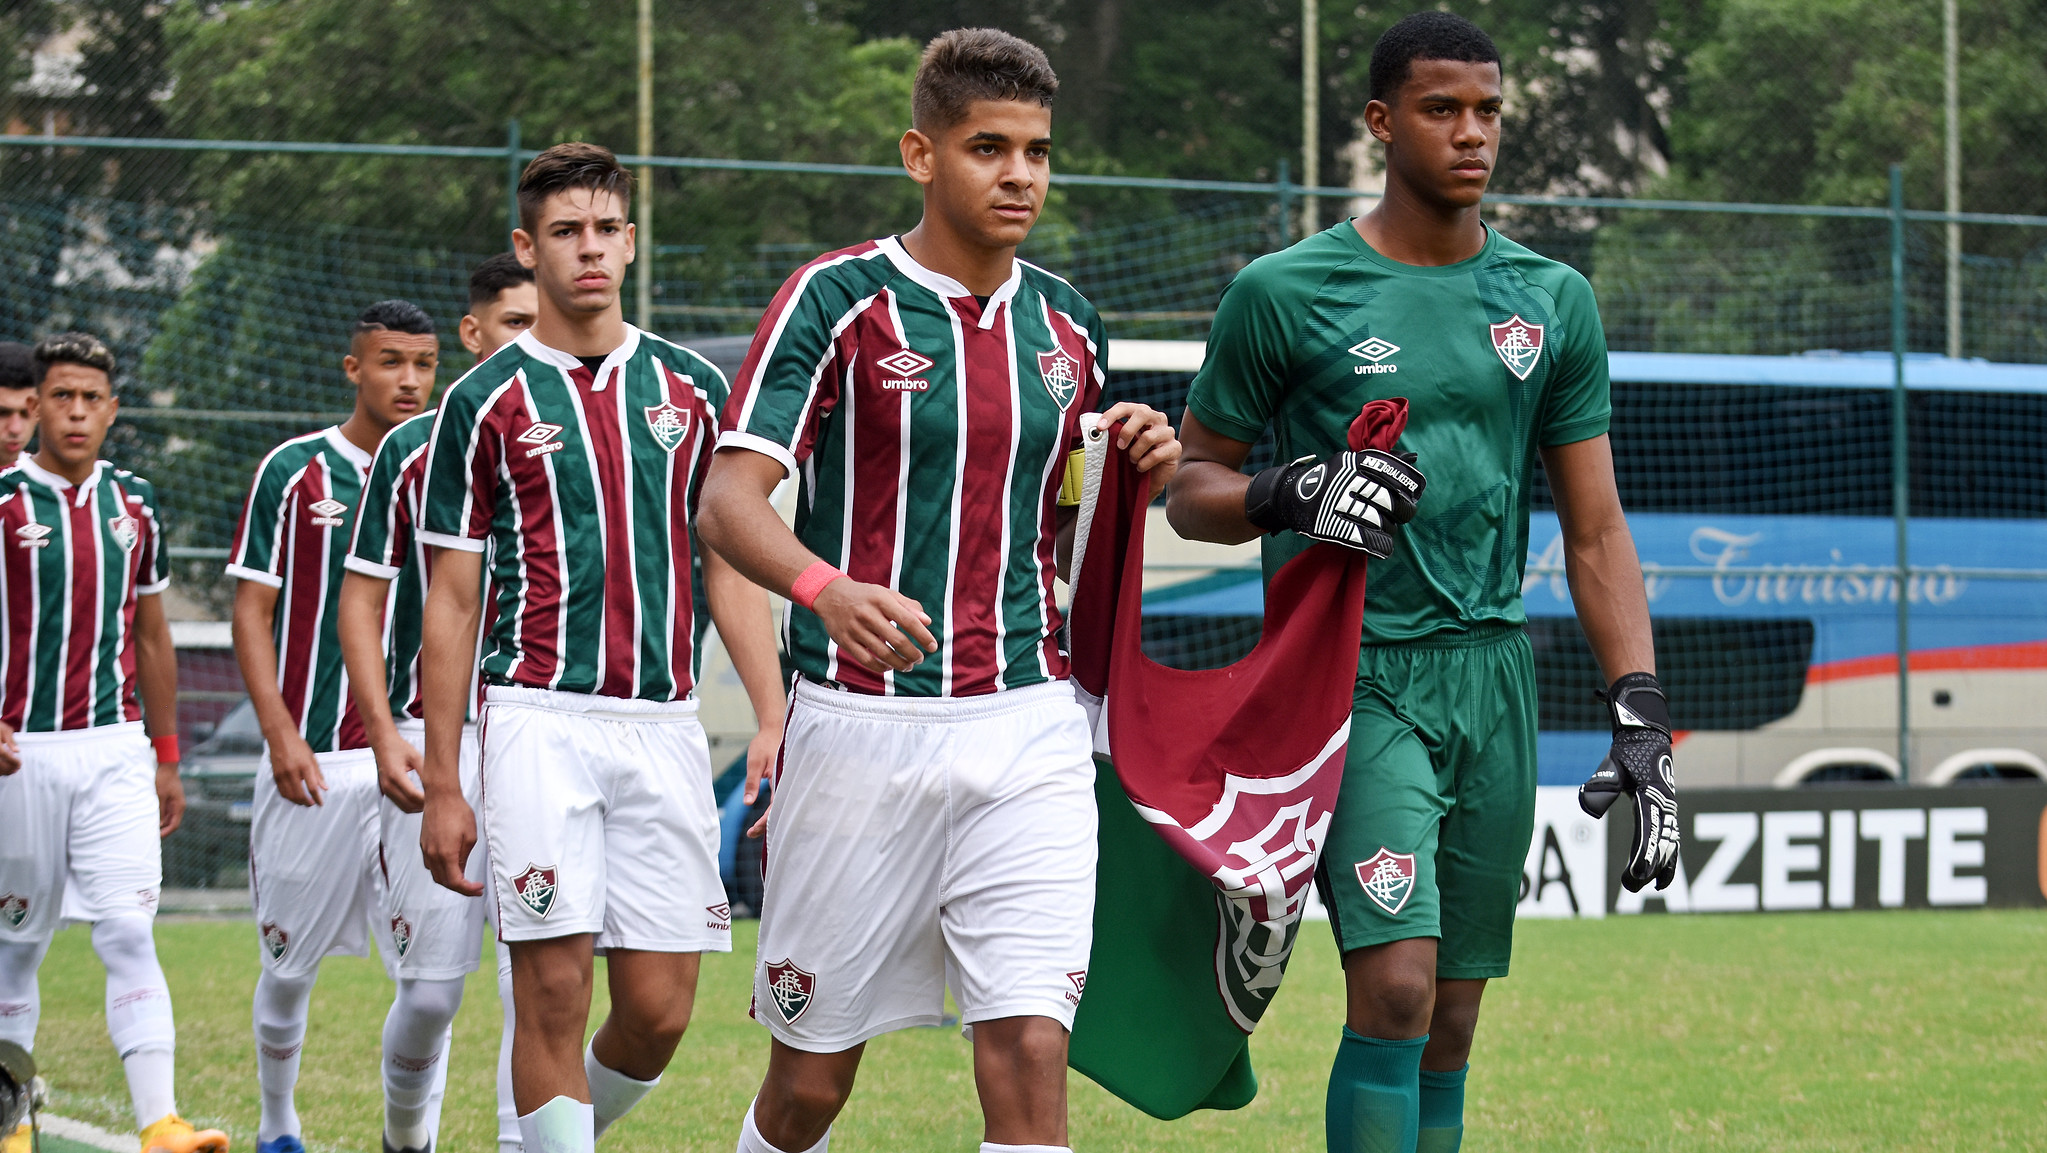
(1639, 765)
(1352, 499)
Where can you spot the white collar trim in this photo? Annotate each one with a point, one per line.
(347, 447)
(946, 286)
(569, 362)
(48, 479)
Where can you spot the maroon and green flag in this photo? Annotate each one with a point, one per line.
(1216, 792)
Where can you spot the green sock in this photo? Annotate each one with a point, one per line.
(1374, 1095)
(1442, 1112)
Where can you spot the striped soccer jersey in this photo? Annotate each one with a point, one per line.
(584, 485)
(293, 537)
(387, 546)
(75, 560)
(929, 432)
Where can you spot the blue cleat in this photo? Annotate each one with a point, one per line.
(289, 1143)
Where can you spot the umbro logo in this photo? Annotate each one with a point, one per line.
(903, 369)
(1374, 350)
(327, 512)
(541, 437)
(34, 535)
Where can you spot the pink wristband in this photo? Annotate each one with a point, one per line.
(811, 582)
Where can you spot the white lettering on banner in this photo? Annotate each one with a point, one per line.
(1788, 849)
(1676, 897)
(1841, 859)
(1711, 893)
(1945, 852)
(1835, 583)
(1890, 829)
(1565, 875)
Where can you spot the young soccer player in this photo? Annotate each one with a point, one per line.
(934, 818)
(575, 455)
(85, 796)
(17, 401)
(1501, 356)
(434, 930)
(314, 846)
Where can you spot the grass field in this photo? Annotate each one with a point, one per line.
(1844, 1031)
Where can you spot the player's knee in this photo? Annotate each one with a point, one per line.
(431, 1000)
(124, 941)
(1393, 1004)
(661, 1023)
(809, 1102)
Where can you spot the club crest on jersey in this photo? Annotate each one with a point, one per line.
(276, 941)
(1062, 376)
(536, 889)
(539, 439)
(1519, 344)
(1373, 350)
(401, 936)
(790, 988)
(1388, 878)
(125, 530)
(13, 909)
(903, 369)
(669, 424)
(34, 535)
(327, 512)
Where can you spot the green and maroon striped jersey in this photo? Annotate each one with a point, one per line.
(387, 546)
(293, 537)
(77, 556)
(583, 484)
(929, 430)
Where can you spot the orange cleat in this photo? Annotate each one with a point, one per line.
(174, 1134)
(19, 1141)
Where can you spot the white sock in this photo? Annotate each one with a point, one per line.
(508, 1113)
(139, 1017)
(21, 1002)
(612, 1093)
(563, 1125)
(751, 1141)
(281, 1008)
(992, 1147)
(415, 1051)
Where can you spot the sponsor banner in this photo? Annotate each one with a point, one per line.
(1789, 850)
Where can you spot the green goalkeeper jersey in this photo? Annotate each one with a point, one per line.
(1497, 356)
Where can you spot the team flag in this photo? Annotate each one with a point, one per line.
(1216, 791)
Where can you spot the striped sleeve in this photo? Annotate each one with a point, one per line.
(459, 496)
(787, 385)
(381, 524)
(258, 553)
(153, 565)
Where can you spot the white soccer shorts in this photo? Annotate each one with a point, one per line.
(433, 932)
(599, 817)
(916, 843)
(316, 870)
(78, 826)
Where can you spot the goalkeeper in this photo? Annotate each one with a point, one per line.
(1501, 355)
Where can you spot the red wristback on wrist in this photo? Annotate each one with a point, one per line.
(811, 581)
(166, 748)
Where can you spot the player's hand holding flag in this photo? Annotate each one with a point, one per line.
(1352, 498)
(1639, 765)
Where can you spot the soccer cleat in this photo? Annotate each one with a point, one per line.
(289, 1143)
(390, 1148)
(174, 1134)
(19, 1141)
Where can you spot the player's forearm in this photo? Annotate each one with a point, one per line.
(736, 520)
(256, 656)
(156, 667)
(361, 626)
(747, 626)
(454, 611)
(1206, 502)
(1613, 608)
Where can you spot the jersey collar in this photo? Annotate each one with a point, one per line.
(946, 286)
(347, 448)
(568, 362)
(48, 479)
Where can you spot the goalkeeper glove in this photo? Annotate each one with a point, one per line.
(1639, 765)
(1352, 498)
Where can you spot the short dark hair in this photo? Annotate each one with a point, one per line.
(394, 316)
(82, 348)
(17, 365)
(1426, 36)
(969, 64)
(575, 164)
(493, 276)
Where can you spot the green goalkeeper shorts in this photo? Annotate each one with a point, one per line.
(1431, 830)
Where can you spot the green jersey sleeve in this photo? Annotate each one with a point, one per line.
(153, 571)
(458, 499)
(375, 551)
(1579, 405)
(1250, 353)
(256, 555)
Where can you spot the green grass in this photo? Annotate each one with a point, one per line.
(1842, 1031)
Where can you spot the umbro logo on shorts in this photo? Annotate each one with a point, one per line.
(535, 887)
(327, 512)
(276, 941)
(1388, 878)
(903, 368)
(541, 437)
(721, 916)
(790, 988)
(34, 535)
(1374, 350)
(13, 909)
(1079, 980)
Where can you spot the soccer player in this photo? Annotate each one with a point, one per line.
(314, 846)
(574, 455)
(85, 796)
(1501, 355)
(17, 401)
(502, 301)
(934, 816)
